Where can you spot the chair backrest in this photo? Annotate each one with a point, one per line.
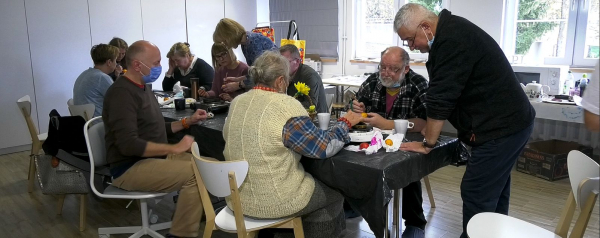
(94, 138)
(580, 167)
(86, 111)
(586, 188)
(215, 174)
(24, 104)
(70, 102)
(329, 99)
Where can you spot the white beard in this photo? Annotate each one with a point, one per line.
(388, 82)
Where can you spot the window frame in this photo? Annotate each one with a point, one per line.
(395, 38)
(575, 39)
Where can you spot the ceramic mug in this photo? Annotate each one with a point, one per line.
(401, 126)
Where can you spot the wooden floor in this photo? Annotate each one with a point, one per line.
(34, 215)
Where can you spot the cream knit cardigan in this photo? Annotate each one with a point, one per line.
(276, 185)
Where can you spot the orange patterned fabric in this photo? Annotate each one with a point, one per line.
(266, 31)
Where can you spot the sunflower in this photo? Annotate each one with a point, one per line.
(302, 88)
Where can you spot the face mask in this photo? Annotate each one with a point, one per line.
(154, 74)
(429, 42)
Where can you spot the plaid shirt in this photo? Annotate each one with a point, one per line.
(410, 102)
(302, 136)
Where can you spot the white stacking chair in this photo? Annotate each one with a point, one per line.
(37, 140)
(329, 99)
(223, 179)
(584, 177)
(94, 138)
(86, 111)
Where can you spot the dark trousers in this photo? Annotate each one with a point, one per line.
(412, 205)
(486, 183)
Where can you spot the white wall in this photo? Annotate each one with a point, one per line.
(16, 79)
(202, 17)
(59, 34)
(108, 19)
(164, 24)
(488, 14)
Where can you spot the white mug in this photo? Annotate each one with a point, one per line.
(402, 125)
(323, 120)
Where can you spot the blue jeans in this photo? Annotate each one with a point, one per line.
(485, 185)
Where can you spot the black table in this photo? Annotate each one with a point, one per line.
(367, 182)
(209, 134)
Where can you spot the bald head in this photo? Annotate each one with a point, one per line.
(395, 54)
(143, 51)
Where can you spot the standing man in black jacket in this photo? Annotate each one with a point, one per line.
(472, 85)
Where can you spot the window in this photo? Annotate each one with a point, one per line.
(561, 32)
(373, 25)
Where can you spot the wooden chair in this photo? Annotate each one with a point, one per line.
(86, 111)
(584, 176)
(223, 179)
(37, 140)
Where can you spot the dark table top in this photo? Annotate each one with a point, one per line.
(366, 181)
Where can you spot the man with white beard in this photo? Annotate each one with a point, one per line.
(397, 92)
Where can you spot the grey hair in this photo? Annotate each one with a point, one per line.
(411, 14)
(403, 54)
(292, 49)
(268, 67)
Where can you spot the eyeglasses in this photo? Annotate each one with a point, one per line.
(221, 55)
(411, 40)
(388, 69)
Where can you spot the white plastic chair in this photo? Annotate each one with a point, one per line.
(94, 138)
(37, 140)
(86, 111)
(583, 174)
(329, 99)
(223, 179)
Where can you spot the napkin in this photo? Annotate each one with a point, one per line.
(396, 142)
(376, 143)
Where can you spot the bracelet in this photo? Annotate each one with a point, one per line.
(343, 119)
(184, 123)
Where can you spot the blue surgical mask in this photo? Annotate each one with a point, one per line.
(429, 42)
(154, 73)
(395, 85)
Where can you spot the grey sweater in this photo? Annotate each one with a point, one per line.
(312, 79)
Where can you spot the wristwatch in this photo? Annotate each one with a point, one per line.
(428, 145)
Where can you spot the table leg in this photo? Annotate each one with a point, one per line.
(386, 232)
(337, 93)
(398, 212)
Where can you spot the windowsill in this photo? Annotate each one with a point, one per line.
(361, 61)
(329, 60)
(582, 70)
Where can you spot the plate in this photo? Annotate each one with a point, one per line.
(361, 136)
(564, 102)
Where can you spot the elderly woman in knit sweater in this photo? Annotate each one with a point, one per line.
(271, 131)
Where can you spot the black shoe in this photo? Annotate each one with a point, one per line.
(413, 232)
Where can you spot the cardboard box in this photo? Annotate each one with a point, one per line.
(548, 159)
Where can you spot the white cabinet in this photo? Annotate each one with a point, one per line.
(202, 18)
(60, 42)
(115, 18)
(164, 25)
(16, 80)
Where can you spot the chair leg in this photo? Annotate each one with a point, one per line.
(31, 174)
(251, 234)
(61, 201)
(209, 228)
(82, 211)
(429, 192)
(298, 229)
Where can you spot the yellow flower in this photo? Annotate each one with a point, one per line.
(302, 88)
(311, 108)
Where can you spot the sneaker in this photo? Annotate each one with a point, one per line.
(413, 232)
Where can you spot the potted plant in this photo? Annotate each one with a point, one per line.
(303, 91)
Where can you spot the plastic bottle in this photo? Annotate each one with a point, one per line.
(568, 84)
(582, 84)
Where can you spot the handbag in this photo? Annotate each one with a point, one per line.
(265, 31)
(301, 44)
